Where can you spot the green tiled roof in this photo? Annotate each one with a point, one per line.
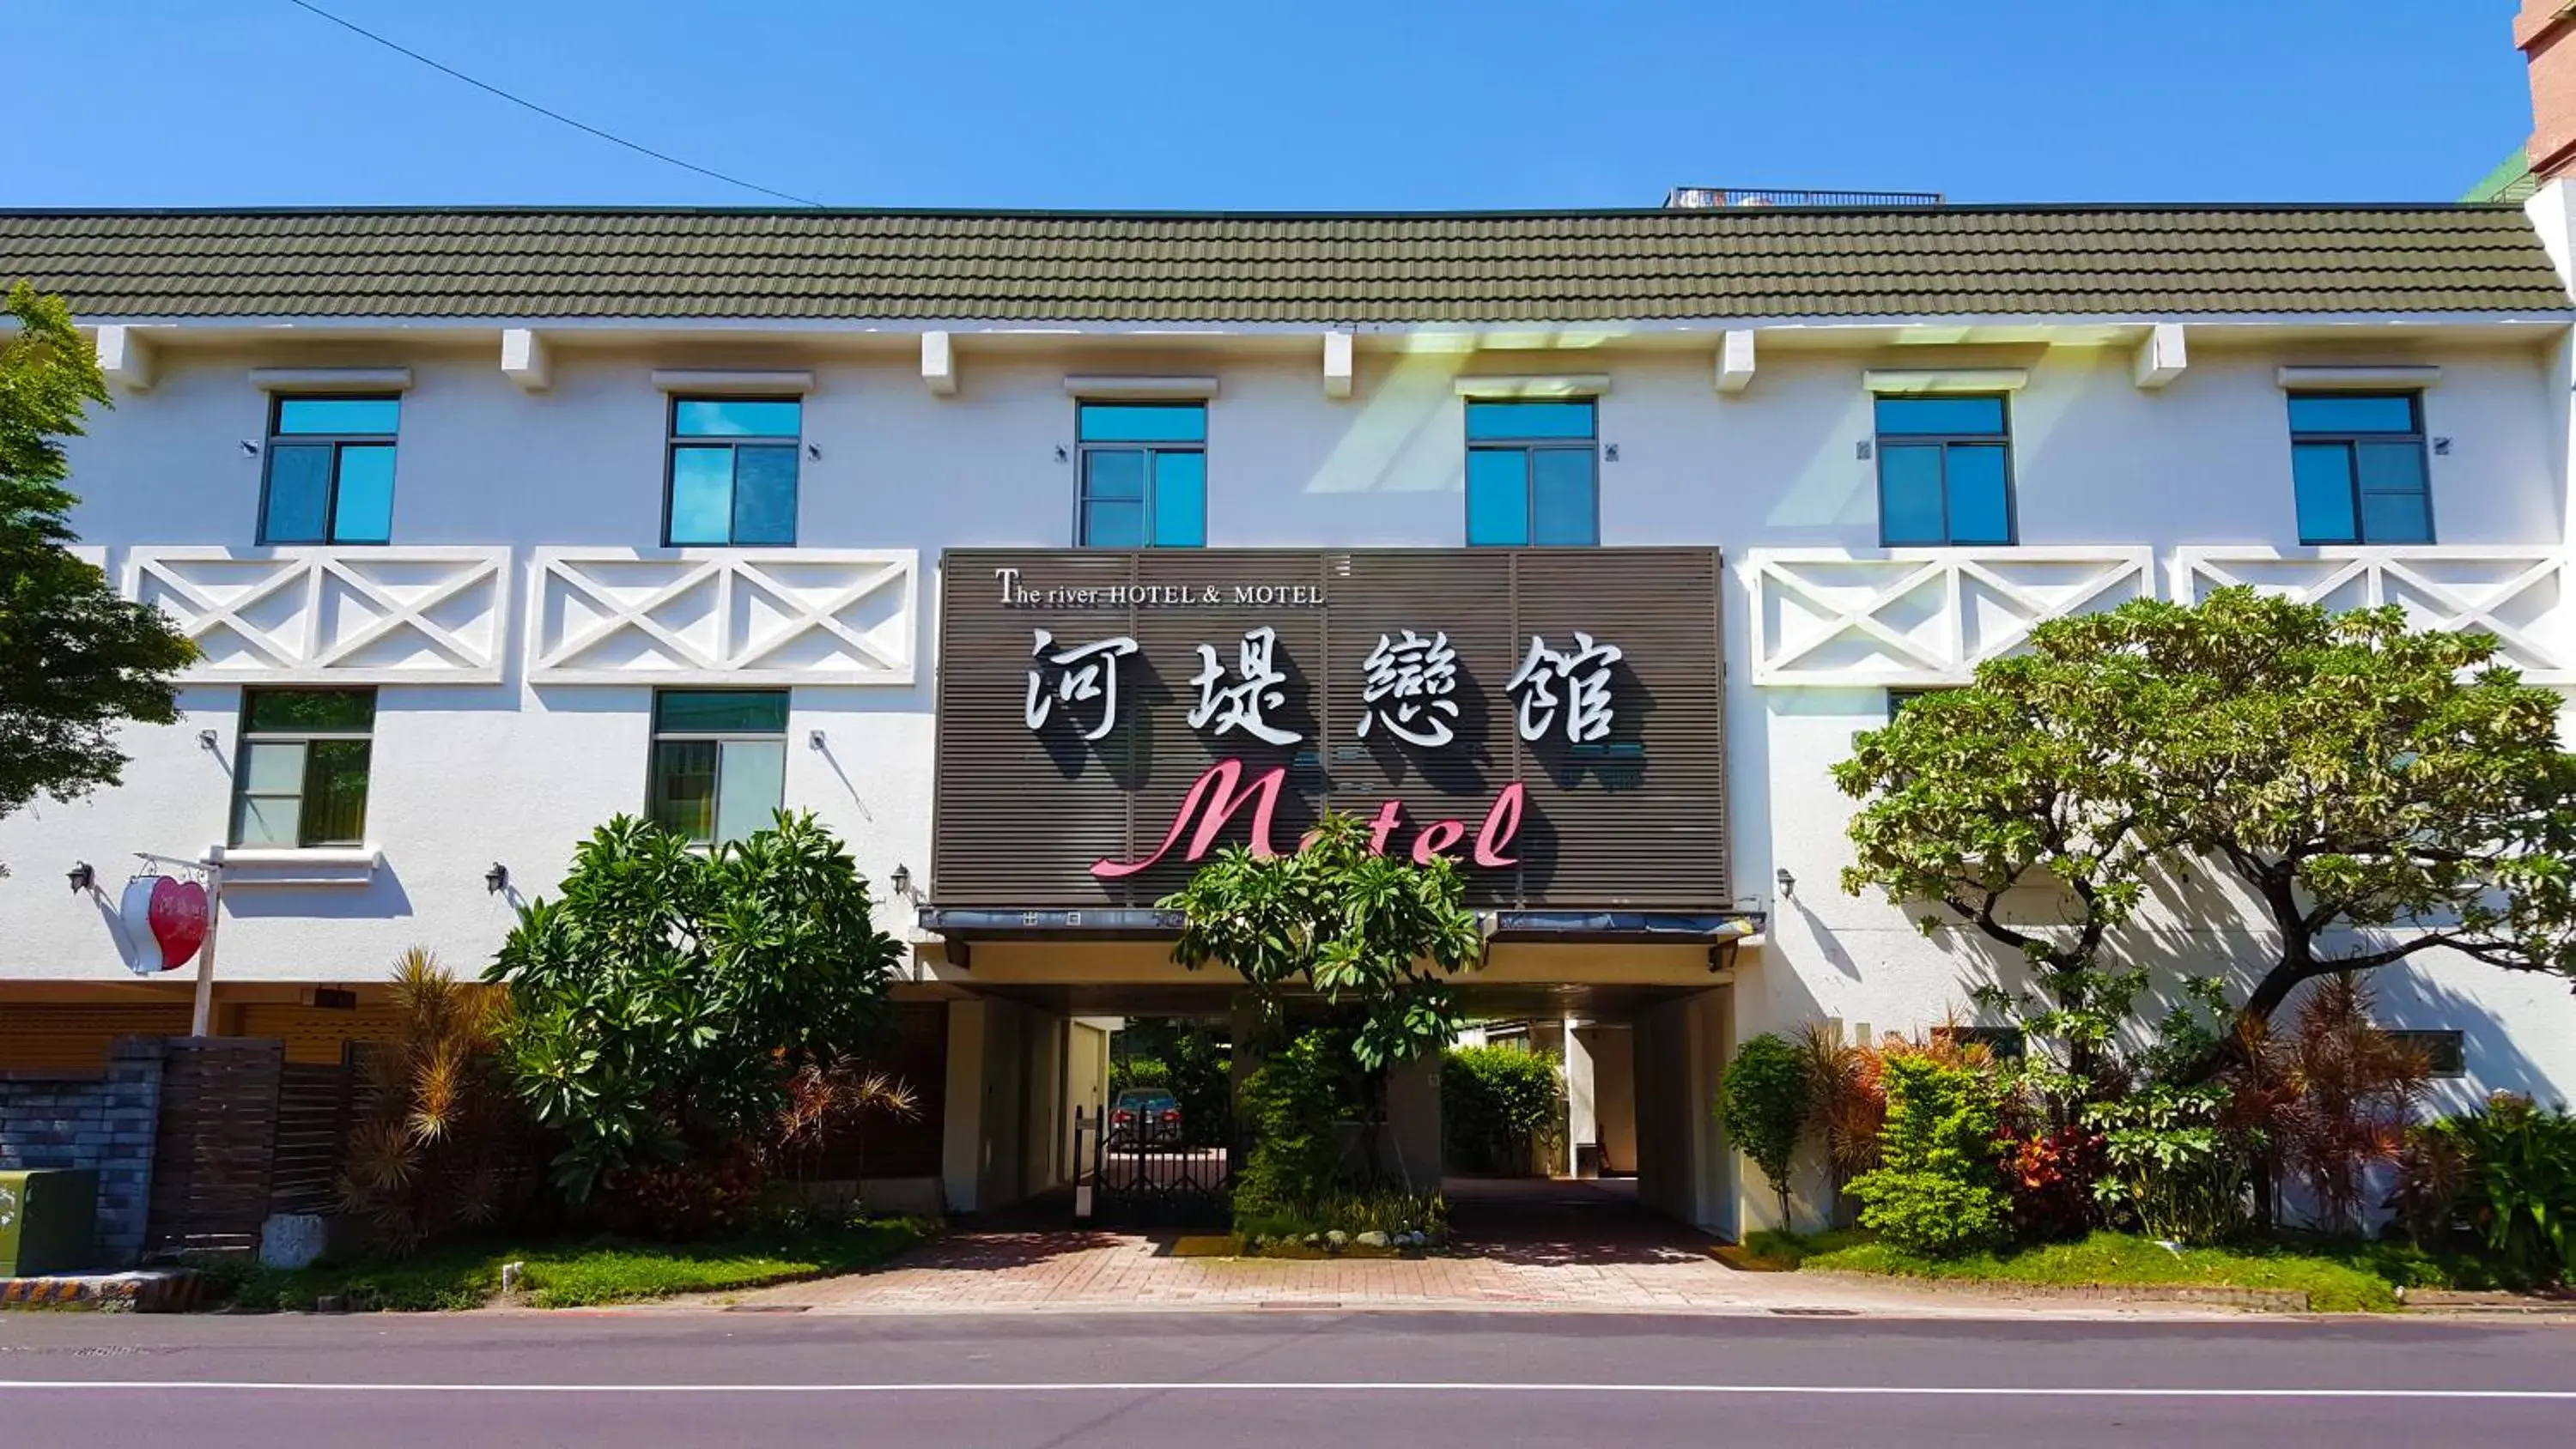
(1619, 266)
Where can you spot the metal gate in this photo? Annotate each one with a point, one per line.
(1131, 1173)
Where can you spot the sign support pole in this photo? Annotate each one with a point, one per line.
(201, 1018)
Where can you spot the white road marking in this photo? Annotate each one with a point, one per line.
(1998, 1391)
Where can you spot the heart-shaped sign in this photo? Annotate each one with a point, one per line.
(178, 919)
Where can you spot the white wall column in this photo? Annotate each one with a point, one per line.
(1581, 1123)
(961, 1148)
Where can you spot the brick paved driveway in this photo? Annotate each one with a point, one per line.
(1565, 1246)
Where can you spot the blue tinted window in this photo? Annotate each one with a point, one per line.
(298, 508)
(1498, 497)
(1180, 500)
(362, 508)
(330, 470)
(1940, 482)
(701, 496)
(737, 418)
(2396, 518)
(733, 493)
(1118, 473)
(1910, 508)
(1980, 494)
(1954, 416)
(1502, 421)
(1116, 523)
(2358, 468)
(341, 416)
(2351, 413)
(1142, 422)
(764, 495)
(1561, 496)
(1144, 475)
(2322, 478)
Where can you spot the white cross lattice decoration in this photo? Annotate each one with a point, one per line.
(2517, 594)
(711, 616)
(1920, 617)
(333, 615)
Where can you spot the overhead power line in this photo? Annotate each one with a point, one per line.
(526, 104)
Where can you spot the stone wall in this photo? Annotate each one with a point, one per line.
(104, 1119)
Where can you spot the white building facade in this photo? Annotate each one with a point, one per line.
(495, 524)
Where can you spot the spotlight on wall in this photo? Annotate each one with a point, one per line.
(814, 740)
(82, 877)
(814, 451)
(496, 880)
(901, 880)
(249, 448)
(1061, 455)
(1787, 883)
(205, 739)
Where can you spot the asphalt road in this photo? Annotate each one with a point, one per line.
(1296, 1380)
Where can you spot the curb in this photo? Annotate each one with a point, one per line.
(148, 1291)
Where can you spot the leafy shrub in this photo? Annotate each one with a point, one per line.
(1293, 1102)
(1762, 1105)
(2170, 1167)
(438, 1145)
(2511, 1171)
(1500, 1107)
(1935, 1191)
(660, 1006)
(2048, 1176)
(703, 1197)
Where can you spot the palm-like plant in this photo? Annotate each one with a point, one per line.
(429, 1152)
(834, 1100)
(2339, 1093)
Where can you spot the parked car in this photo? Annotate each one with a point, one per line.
(1145, 1116)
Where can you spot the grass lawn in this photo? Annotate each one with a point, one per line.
(568, 1275)
(2337, 1276)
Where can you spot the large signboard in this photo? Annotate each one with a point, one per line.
(1551, 719)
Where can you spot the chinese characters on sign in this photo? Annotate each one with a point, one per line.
(1239, 706)
(1583, 675)
(1409, 687)
(1086, 675)
(1410, 690)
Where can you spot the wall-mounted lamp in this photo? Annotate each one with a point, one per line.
(496, 880)
(1787, 883)
(1061, 455)
(1610, 454)
(249, 448)
(82, 876)
(814, 740)
(901, 880)
(205, 739)
(814, 451)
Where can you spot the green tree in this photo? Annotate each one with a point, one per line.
(75, 659)
(1762, 1104)
(2378, 791)
(664, 1003)
(1359, 929)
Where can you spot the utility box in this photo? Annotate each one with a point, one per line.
(48, 1222)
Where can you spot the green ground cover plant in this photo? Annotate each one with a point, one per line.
(2339, 1276)
(464, 1275)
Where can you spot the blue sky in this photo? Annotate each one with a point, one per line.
(1236, 104)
